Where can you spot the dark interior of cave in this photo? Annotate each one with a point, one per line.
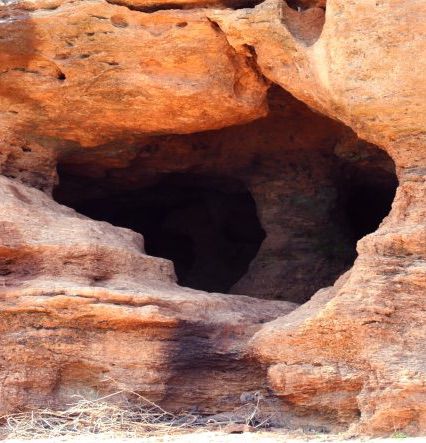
(366, 193)
(207, 226)
(271, 209)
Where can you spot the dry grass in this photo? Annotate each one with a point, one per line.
(108, 417)
(101, 416)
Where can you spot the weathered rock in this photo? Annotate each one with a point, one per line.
(99, 56)
(84, 309)
(361, 72)
(294, 178)
(371, 323)
(28, 162)
(362, 69)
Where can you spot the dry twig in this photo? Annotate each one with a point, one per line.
(118, 418)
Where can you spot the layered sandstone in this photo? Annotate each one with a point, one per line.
(84, 311)
(107, 90)
(55, 79)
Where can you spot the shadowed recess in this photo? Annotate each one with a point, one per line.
(271, 209)
(207, 226)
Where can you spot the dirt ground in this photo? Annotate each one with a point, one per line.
(219, 437)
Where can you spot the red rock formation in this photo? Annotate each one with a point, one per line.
(104, 91)
(102, 56)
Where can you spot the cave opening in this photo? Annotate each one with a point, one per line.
(366, 194)
(271, 209)
(208, 226)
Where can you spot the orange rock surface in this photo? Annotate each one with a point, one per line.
(119, 94)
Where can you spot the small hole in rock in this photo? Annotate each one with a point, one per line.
(119, 21)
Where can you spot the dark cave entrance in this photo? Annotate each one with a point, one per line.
(271, 209)
(366, 194)
(208, 226)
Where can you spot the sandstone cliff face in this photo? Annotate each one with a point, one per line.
(102, 56)
(85, 311)
(114, 96)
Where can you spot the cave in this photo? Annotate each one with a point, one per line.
(272, 209)
(208, 226)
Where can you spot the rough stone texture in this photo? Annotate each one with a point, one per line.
(55, 79)
(85, 311)
(28, 162)
(82, 307)
(360, 71)
(293, 178)
(363, 69)
(370, 325)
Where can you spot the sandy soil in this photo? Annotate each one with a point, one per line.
(218, 437)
